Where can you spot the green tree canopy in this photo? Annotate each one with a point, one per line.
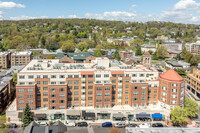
(138, 51)
(68, 46)
(15, 78)
(179, 116)
(161, 52)
(50, 56)
(191, 107)
(116, 55)
(97, 53)
(82, 45)
(27, 116)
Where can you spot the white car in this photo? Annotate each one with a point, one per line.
(144, 125)
(43, 123)
(70, 123)
(120, 125)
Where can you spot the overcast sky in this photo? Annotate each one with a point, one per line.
(184, 11)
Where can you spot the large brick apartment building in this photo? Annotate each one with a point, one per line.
(21, 58)
(99, 84)
(5, 60)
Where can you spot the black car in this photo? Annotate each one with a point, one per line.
(13, 125)
(132, 125)
(82, 124)
(157, 125)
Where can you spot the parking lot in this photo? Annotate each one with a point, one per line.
(91, 129)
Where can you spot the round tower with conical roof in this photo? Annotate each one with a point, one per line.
(171, 89)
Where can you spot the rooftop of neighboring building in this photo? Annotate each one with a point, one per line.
(57, 127)
(4, 81)
(4, 53)
(183, 63)
(101, 63)
(27, 52)
(174, 63)
(148, 46)
(171, 75)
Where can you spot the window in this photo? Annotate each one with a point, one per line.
(62, 107)
(45, 88)
(98, 82)
(76, 93)
(126, 91)
(61, 89)
(127, 86)
(155, 90)
(69, 93)
(76, 104)
(29, 96)
(106, 75)
(61, 101)
(143, 98)
(113, 86)
(90, 76)
(107, 94)
(38, 82)
(45, 94)
(45, 82)
(22, 83)
(135, 87)
(143, 93)
(53, 90)
(99, 94)
(21, 77)
(174, 85)
(155, 96)
(53, 95)
(90, 92)
(30, 90)
(21, 108)
(20, 90)
(69, 99)
(107, 100)
(174, 90)
(126, 97)
(76, 98)
(135, 93)
(21, 102)
(76, 82)
(126, 102)
(30, 102)
(39, 88)
(69, 82)
(98, 100)
(62, 95)
(99, 88)
(90, 81)
(174, 102)
(98, 76)
(76, 76)
(53, 107)
(107, 88)
(113, 81)
(90, 87)
(141, 75)
(143, 87)
(135, 99)
(164, 88)
(62, 76)
(62, 83)
(134, 75)
(45, 76)
(89, 98)
(70, 87)
(69, 76)
(30, 77)
(20, 96)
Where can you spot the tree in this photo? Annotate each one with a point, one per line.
(150, 52)
(179, 116)
(82, 45)
(33, 42)
(68, 46)
(15, 78)
(27, 116)
(138, 51)
(50, 56)
(181, 72)
(191, 107)
(184, 52)
(97, 53)
(161, 52)
(108, 45)
(194, 61)
(116, 55)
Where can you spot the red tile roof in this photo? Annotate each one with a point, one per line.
(147, 53)
(171, 75)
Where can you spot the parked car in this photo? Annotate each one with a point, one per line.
(13, 125)
(82, 124)
(132, 125)
(157, 125)
(70, 123)
(144, 125)
(43, 123)
(107, 124)
(120, 125)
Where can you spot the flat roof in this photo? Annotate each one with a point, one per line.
(22, 53)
